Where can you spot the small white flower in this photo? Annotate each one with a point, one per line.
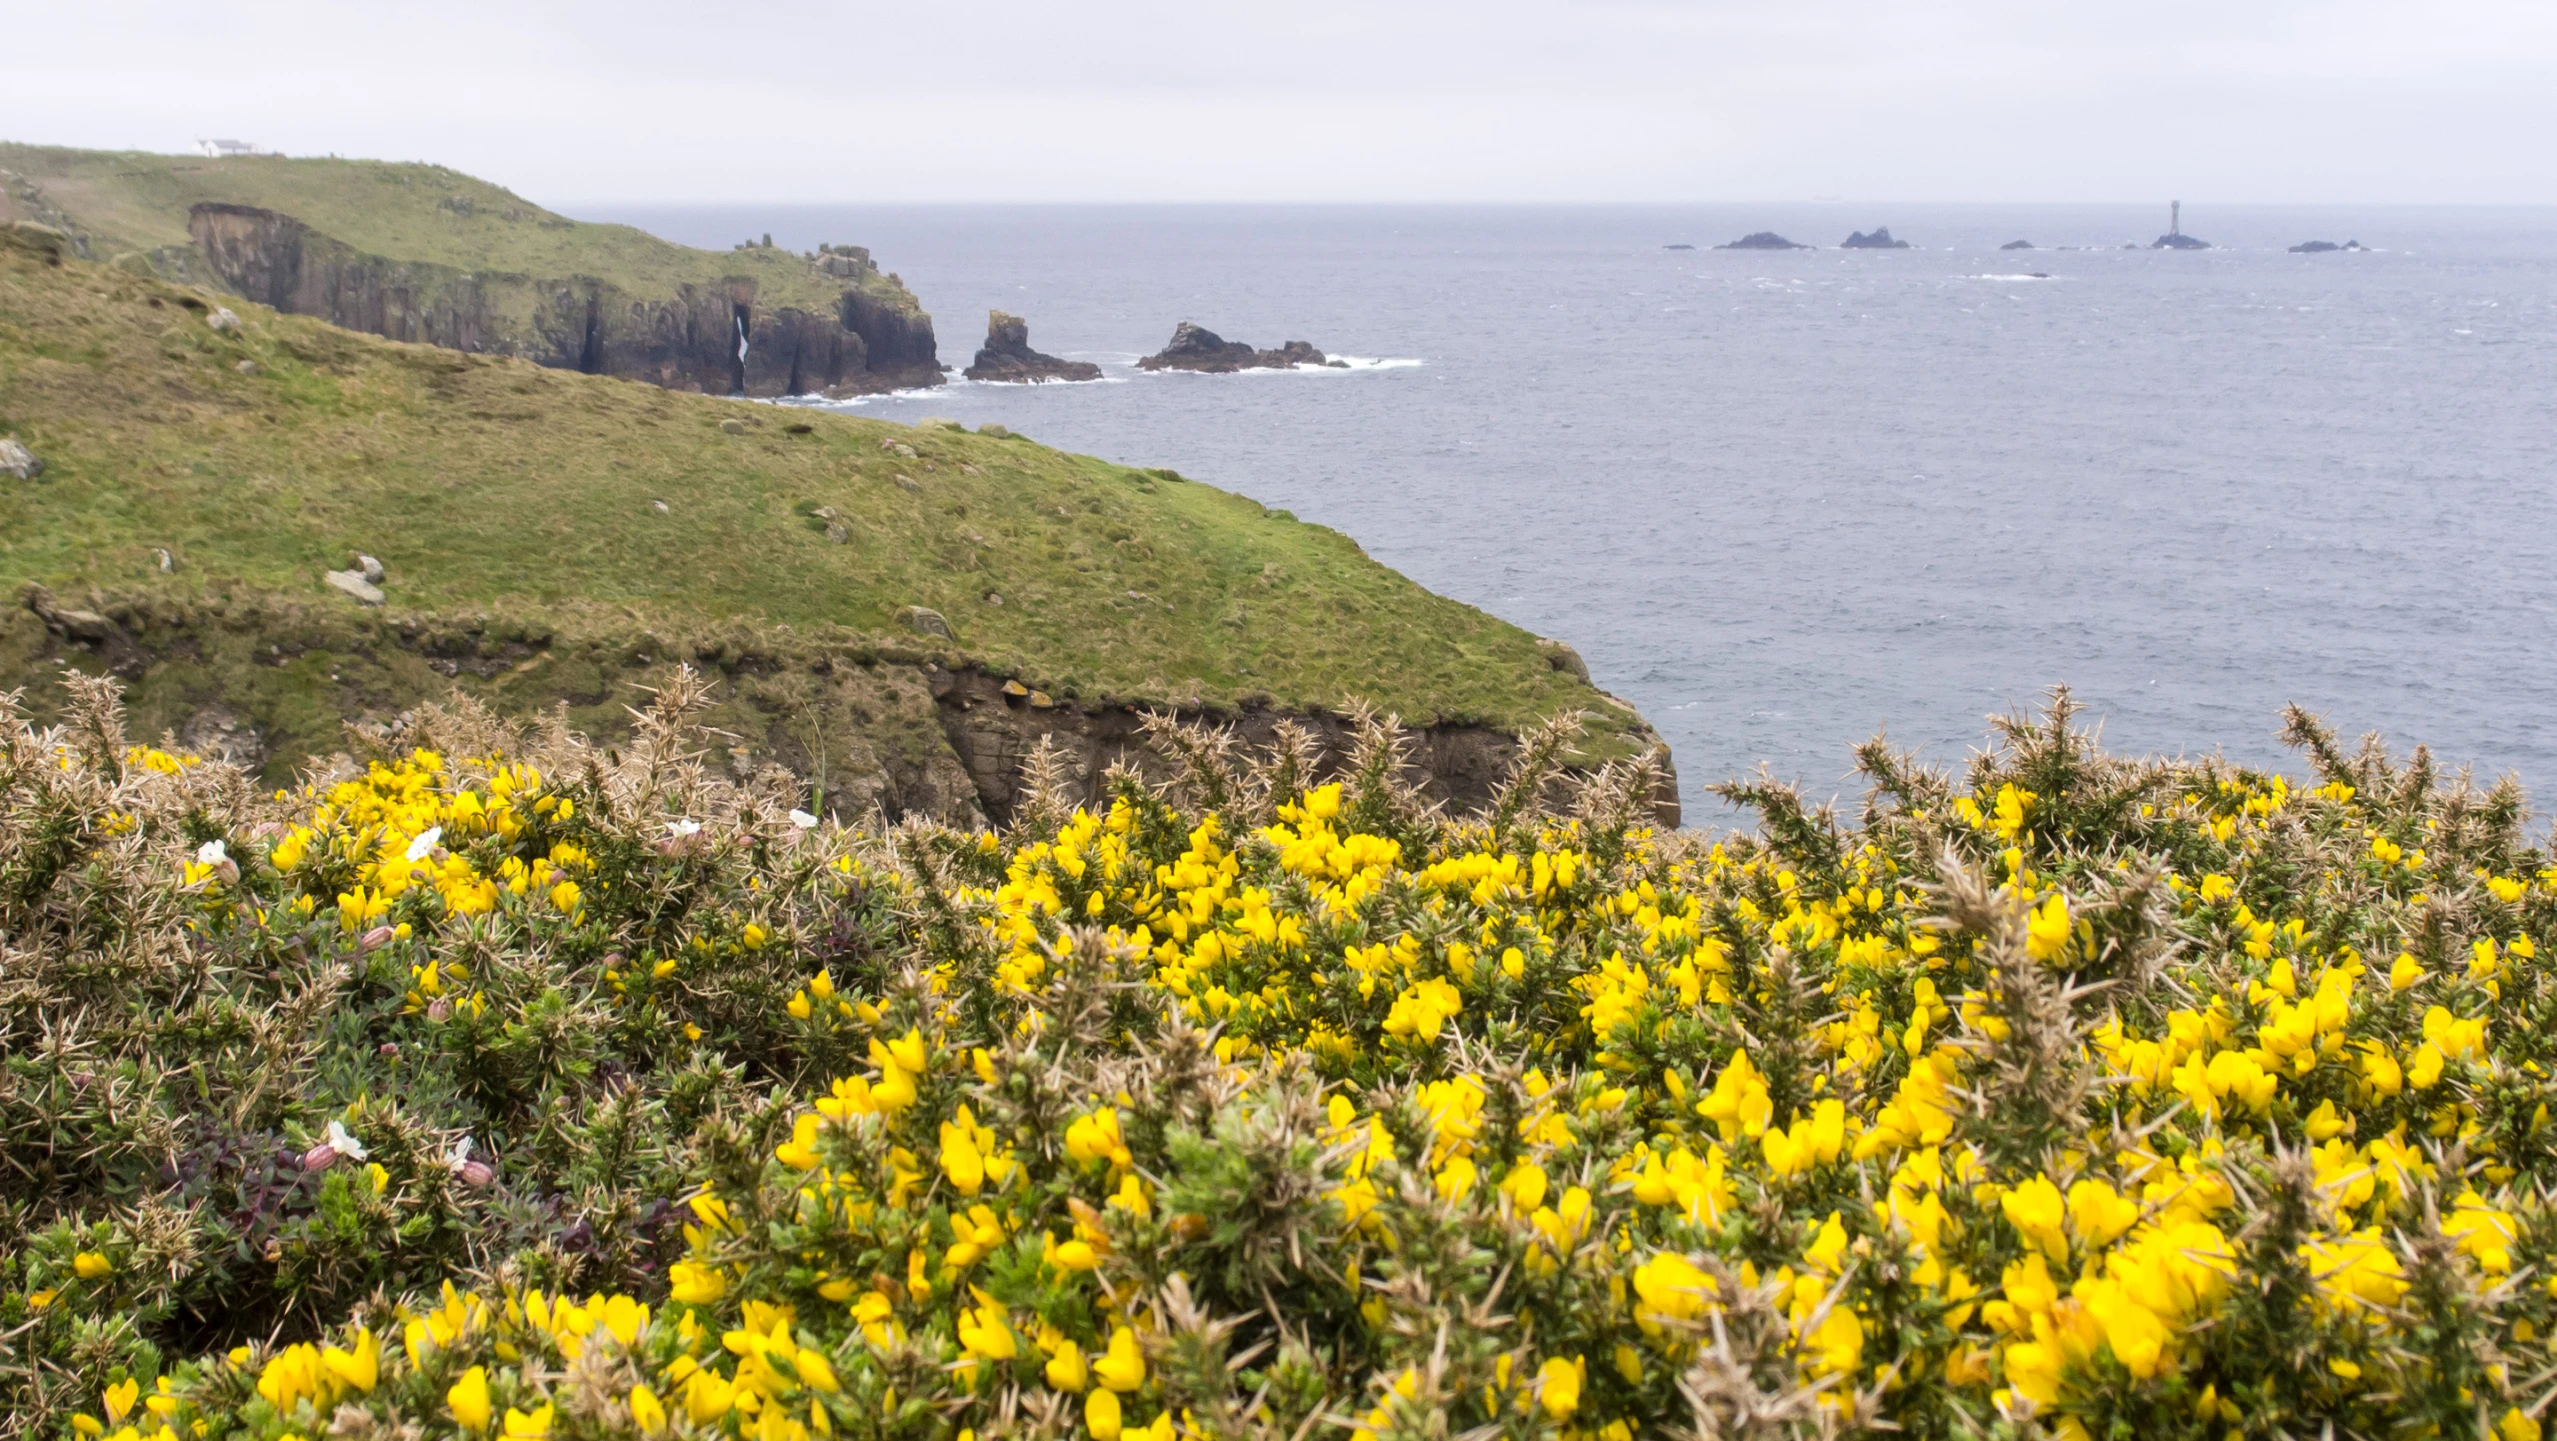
(425, 844)
(212, 853)
(343, 1143)
(803, 820)
(459, 1156)
(685, 827)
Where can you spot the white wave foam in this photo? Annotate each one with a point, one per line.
(2006, 277)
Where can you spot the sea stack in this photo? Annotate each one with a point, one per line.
(1194, 347)
(1007, 357)
(1880, 239)
(1762, 240)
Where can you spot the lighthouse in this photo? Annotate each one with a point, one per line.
(2175, 238)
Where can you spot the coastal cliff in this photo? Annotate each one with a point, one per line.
(423, 254)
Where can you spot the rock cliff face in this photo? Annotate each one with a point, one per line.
(1197, 348)
(714, 338)
(1007, 356)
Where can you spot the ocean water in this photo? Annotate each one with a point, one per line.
(1784, 500)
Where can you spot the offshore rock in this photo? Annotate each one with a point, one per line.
(1762, 240)
(2017, 245)
(1008, 358)
(2320, 247)
(1880, 239)
(2177, 240)
(1196, 348)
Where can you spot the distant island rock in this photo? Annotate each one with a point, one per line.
(1880, 239)
(1678, 246)
(2320, 247)
(2177, 240)
(1762, 240)
(1205, 351)
(2017, 245)
(1008, 358)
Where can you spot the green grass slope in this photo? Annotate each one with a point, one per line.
(522, 503)
(137, 201)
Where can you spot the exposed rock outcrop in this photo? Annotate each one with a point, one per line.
(714, 338)
(1880, 239)
(994, 726)
(17, 462)
(1007, 356)
(879, 729)
(1762, 240)
(2178, 240)
(2320, 247)
(1196, 348)
(2017, 245)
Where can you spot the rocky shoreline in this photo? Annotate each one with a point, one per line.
(1196, 348)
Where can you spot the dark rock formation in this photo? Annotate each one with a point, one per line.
(2320, 247)
(1880, 239)
(1194, 348)
(2017, 245)
(1762, 240)
(714, 338)
(1007, 356)
(2176, 240)
(1681, 246)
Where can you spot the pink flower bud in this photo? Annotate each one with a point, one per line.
(440, 1010)
(319, 1157)
(376, 938)
(475, 1173)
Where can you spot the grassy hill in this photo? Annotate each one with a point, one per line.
(550, 538)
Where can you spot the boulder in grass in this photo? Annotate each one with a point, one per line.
(924, 620)
(19, 463)
(353, 583)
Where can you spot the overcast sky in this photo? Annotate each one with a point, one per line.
(2366, 101)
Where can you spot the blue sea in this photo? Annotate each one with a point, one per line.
(1782, 501)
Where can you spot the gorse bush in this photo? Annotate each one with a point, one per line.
(498, 1085)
